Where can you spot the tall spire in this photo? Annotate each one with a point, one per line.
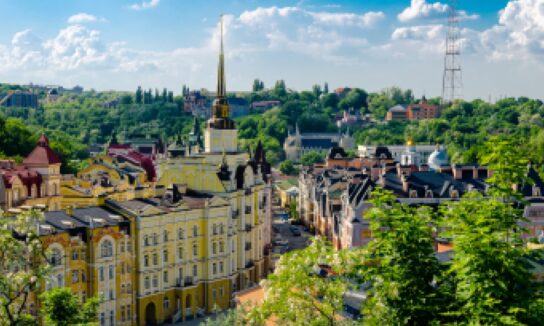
(221, 87)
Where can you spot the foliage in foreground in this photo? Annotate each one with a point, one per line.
(62, 308)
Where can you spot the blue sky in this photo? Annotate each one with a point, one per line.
(372, 44)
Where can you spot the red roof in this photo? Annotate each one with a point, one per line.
(42, 154)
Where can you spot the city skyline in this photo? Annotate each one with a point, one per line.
(161, 43)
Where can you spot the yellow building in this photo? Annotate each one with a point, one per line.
(35, 183)
(90, 251)
(105, 178)
(238, 191)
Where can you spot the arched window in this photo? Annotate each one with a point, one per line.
(195, 231)
(56, 257)
(106, 249)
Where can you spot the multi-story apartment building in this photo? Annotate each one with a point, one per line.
(91, 251)
(36, 182)
(334, 200)
(105, 178)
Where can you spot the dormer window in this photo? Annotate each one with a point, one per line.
(429, 194)
(536, 191)
(412, 194)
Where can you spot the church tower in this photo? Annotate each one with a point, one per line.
(221, 134)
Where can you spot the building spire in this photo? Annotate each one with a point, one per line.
(221, 87)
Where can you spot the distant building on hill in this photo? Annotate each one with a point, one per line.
(405, 154)
(238, 107)
(262, 106)
(297, 144)
(19, 99)
(53, 95)
(417, 111)
(197, 104)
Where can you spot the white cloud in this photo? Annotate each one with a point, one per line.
(420, 9)
(145, 5)
(348, 19)
(82, 18)
(519, 33)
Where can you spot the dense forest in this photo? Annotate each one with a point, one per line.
(77, 120)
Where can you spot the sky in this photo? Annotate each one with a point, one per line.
(372, 44)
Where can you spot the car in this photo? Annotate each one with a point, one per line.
(280, 242)
(295, 231)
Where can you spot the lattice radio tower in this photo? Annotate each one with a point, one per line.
(452, 82)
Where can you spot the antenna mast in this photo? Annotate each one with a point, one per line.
(452, 81)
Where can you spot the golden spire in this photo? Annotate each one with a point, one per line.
(221, 87)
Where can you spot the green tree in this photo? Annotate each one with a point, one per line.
(316, 89)
(138, 96)
(287, 167)
(258, 85)
(297, 295)
(326, 88)
(355, 99)
(280, 90)
(311, 158)
(62, 308)
(404, 267)
(23, 266)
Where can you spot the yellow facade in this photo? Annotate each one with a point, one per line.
(105, 178)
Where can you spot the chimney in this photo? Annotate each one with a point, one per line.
(405, 183)
(457, 172)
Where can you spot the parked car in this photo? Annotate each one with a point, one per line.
(295, 231)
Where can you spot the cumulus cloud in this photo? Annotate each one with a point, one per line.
(82, 18)
(420, 9)
(519, 32)
(145, 5)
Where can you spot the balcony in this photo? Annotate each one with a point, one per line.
(188, 281)
(250, 264)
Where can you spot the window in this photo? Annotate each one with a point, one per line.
(122, 247)
(75, 277)
(221, 230)
(214, 248)
(60, 280)
(214, 229)
(129, 316)
(214, 294)
(180, 273)
(129, 247)
(112, 272)
(180, 252)
(214, 268)
(165, 236)
(82, 254)
(195, 250)
(155, 259)
(220, 267)
(75, 255)
(56, 257)
(180, 233)
(165, 256)
(155, 239)
(221, 292)
(102, 319)
(106, 249)
(82, 276)
(122, 268)
(195, 231)
(146, 241)
(111, 294)
(146, 282)
(155, 281)
(122, 313)
(146, 261)
(221, 247)
(101, 273)
(195, 270)
(165, 276)
(112, 322)
(166, 303)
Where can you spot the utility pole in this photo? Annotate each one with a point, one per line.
(452, 81)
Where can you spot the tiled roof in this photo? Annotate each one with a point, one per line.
(42, 154)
